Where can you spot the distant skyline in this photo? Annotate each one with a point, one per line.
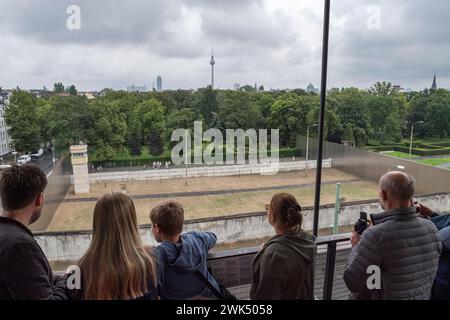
(274, 43)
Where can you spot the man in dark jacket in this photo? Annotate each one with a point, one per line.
(24, 270)
(396, 258)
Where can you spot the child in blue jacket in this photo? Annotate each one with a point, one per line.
(180, 256)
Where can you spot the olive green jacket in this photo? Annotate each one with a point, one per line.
(284, 268)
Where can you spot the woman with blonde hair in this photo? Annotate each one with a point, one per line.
(117, 265)
(284, 268)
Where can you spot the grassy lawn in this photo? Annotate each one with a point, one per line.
(434, 161)
(78, 215)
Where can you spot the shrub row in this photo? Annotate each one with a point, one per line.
(423, 152)
(283, 153)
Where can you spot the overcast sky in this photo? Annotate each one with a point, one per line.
(276, 43)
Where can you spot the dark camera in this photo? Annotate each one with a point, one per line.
(362, 223)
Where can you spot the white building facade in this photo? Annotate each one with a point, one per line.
(6, 145)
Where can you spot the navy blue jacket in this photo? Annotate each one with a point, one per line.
(177, 263)
(441, 286)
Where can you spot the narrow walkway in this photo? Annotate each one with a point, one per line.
(215, 192)
(444, 165)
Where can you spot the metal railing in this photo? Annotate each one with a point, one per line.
(233, 268)
(238, 275)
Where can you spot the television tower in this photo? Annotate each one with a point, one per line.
(212, 63)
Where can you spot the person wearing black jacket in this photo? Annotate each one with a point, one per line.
(25, 273)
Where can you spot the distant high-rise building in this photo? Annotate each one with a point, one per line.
(212, 63)
(236, 86)
(158, 83)
(434, 86)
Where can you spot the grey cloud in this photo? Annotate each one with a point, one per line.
(412, 44)
(126, 41)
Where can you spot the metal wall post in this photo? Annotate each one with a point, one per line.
(337, 208)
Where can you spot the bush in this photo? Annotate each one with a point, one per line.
(141, 161)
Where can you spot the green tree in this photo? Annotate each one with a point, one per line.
(247, 88)
(135, 132)
(352, 109)
(67, 121)
(418, 106)
(208, 105)
(239, 111)
(332, 123)
(21, 116)
(72, 90)
(386, 117)
(58, 87)
(382, 89)
(438, 113)
(153, 124)
(264, 101)
(289, 114)
(109, 128)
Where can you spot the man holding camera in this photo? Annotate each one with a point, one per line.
(399, 247)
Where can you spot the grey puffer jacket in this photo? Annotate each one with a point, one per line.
(405, 247)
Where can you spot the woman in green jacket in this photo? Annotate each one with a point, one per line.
(284, 268)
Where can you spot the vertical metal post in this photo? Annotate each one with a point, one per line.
(307, 145)
(337, 208)
(410, 142)
(307, 150)
(323, 92)
(329, 271)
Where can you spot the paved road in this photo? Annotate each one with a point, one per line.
(45, 163)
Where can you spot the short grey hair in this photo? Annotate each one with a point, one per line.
(398, 185)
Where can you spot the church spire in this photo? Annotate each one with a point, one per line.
(434, 86)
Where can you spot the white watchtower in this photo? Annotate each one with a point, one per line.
(79, 158)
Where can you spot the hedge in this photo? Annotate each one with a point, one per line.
(423, 152)
(441, 144)
(283, 153)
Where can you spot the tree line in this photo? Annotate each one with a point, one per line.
(117, 121)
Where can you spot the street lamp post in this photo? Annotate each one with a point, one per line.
(411, 141)
(307, 146)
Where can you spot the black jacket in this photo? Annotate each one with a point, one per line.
(25, 273)
(284, 268)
